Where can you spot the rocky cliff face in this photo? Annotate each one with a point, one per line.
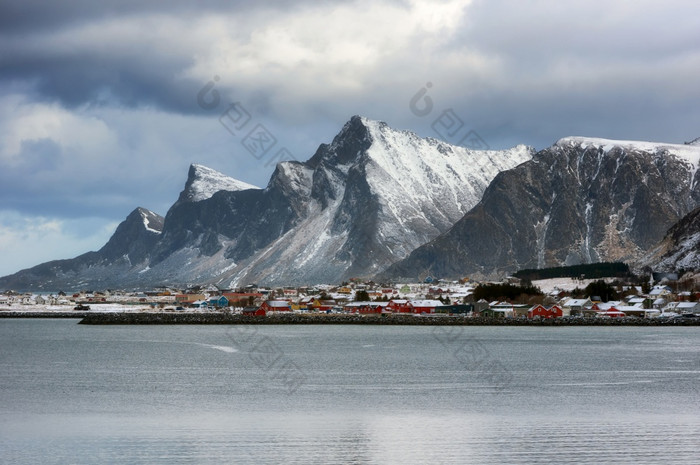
(679, 249)
(579, 201)
(357, 205)
(368, 199)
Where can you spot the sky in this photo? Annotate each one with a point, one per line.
(104, 105)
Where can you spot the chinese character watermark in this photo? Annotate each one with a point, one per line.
(473, 356)
(267, 355)
(254, 136)
(448, 125)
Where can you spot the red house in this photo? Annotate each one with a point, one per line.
(612, 313)
(425, 306)
(365, 308)
(542, 312)
(400, 306)
(276, 306)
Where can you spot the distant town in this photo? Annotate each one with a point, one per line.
(561, 297)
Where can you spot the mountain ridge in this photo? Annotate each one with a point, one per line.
(358, 204)
(581, 200)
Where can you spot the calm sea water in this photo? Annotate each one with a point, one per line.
(347, 394)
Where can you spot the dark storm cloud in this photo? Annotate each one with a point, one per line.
(108, 70)
(25, 16)
(98, 79)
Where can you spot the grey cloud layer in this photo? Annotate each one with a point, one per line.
(98, 99)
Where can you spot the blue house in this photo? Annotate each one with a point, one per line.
(218, 302)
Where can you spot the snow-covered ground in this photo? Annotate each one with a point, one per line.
(548, 286)
(111, 307)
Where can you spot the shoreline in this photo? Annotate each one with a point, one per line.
(72, 314)
(163, 318)
(155, 318)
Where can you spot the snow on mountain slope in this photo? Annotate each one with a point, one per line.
(151, 221)
(377, 194)
(582, 200)
(688, 153)
(357, 205)
(679, 249)
(204, 182)
(427, 184)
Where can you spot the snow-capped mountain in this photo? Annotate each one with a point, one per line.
(368, 199)
(203, 182)
(582, 200)
(357, 205)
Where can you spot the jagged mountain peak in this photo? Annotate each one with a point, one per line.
(694, 142)
(352, 140)
(152, 221)
(203, 182)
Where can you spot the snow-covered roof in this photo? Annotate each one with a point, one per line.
(426, 303)
(366, 304)
(502, 309)
(576, 302)
(620, 306)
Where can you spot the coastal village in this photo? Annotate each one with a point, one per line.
(431, 298)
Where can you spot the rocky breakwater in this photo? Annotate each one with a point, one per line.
(47, 314)
(160, 318)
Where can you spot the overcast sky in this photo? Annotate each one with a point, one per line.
(103, 104)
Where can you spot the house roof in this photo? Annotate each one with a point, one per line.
(426, 303)
(576, 302)
(628, 308)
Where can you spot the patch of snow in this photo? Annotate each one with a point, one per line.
(208, 182)
(541, 237)
(553, 285)
(145, 215)
(587, 240)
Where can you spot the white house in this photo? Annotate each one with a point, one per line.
(687, 307)
(575, 306)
